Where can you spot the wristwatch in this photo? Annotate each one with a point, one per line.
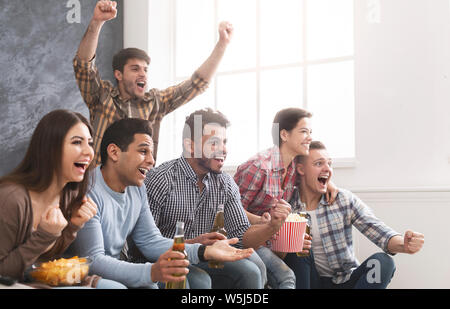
(201, 253)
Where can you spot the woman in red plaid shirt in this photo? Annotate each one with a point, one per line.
(270, 176)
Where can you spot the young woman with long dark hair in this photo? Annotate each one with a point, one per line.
(43, 200)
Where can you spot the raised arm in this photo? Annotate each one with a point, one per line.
(104, 10)
(209, 67)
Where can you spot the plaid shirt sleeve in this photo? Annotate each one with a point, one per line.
(175, 96)
(250, 179)
(369, 225)
(89, 81)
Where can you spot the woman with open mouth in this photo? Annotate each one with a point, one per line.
(43, 200)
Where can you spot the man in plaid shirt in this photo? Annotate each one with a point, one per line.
(333, 263)
(129, 99)
(190, 188)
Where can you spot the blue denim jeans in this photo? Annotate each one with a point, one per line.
(197, 278)
(365, 276)
(305, 272)
(255, 258)
(242, 274)
(279, 275)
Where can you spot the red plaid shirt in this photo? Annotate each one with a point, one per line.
(259, 180)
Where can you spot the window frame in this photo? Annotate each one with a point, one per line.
(341, 162)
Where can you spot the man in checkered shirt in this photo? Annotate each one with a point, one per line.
(333, 263)
(129, 98)
(190, 188)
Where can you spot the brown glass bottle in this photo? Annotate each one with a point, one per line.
(178, 245)
(219, 227)
(308, 229)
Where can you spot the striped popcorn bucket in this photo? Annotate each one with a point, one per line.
(290, 237)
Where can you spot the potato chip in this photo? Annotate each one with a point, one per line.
(62, 271)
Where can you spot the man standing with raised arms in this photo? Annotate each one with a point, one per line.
(108, 103)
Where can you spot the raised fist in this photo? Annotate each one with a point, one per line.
(105, 10)
(53, 221)
(225, 32)
(84, 213)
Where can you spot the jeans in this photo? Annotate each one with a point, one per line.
(242, 274)
(279, 275)
(255, 258)
(375, 272)
(197, 278)
(305, 272)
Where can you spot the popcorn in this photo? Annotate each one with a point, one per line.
(291, 235)
(295, 218)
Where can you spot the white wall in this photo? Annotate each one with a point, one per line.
(426, 212)
(403, 130)
(151, 34)
(402, 96)
(402, 169)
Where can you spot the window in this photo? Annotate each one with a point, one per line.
(284, 53)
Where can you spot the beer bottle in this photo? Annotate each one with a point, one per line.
(305, 215)
(178, 245)
(218, 226)
(295, 202)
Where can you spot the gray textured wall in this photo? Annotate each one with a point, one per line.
(37, 45)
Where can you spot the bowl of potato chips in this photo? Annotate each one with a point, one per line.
(62, 272)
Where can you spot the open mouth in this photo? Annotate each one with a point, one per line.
(82, 165)
(143, 171)
(323, 180)
(141, 85)
(219, 159)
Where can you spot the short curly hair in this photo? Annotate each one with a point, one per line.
(122, 134)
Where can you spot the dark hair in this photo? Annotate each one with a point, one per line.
(43, 159)
(206, 116)
(287, 119)
(315, 145)
(121, 133)
(121, 58)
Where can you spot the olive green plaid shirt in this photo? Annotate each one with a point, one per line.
(106, 106)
